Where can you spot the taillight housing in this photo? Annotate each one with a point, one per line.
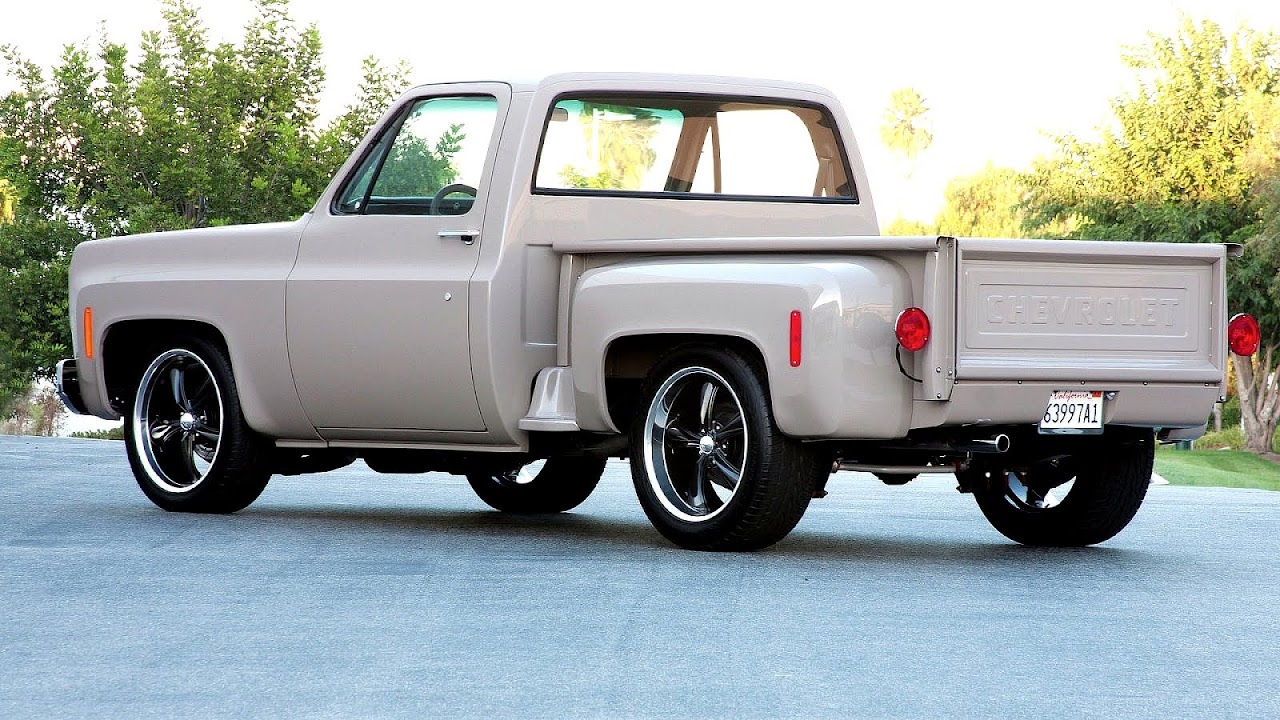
(1243, 335)
(912, 329)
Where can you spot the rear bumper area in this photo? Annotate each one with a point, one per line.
(67, 381)
(1148, 404)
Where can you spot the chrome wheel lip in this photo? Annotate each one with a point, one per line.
(185, 422)
(524, 475)
(657, 473)
(1027, 500)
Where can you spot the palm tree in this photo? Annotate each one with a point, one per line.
(905, 129)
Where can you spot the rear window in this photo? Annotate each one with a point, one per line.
(692, 146)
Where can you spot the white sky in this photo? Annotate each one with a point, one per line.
(998, 76)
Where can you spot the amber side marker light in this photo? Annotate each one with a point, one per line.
(1243, 335)
(795, 338)
(88, 332)
(912, 329)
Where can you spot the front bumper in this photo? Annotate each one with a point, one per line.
(67, 380)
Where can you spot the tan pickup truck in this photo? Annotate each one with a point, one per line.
(517, 281)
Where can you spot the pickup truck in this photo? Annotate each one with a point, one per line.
(516, 282)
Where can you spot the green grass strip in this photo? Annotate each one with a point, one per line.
(1217, 468)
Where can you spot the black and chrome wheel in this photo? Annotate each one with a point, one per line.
(710, 467)
(1072, 501)
(544, 486)
(188, 444)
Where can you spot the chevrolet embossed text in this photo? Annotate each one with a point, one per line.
(1004, 309)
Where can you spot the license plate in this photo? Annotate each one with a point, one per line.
(1073, 411)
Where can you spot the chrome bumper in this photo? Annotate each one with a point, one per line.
(67, 380)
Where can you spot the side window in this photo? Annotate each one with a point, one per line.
(429, 163)
(685, 146)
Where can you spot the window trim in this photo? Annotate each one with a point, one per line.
(535, 189)
(394, 126)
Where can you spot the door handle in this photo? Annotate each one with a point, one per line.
(467, 237)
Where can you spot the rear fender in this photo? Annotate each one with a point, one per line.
(847, 383)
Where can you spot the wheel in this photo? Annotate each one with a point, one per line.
(710, 467)
(187, 440)
(544, 486)
(1079, 501)
(447, 190)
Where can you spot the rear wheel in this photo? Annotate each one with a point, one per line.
(188, 444)
(710, 467)
(544, 486)
(1073, 501)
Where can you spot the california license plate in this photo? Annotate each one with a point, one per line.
(1073, 411)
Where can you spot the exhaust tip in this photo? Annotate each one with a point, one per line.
(1002, 443)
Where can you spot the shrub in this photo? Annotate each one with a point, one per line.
(1230, 437)
(115, 433)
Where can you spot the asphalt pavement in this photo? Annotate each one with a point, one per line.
(353, 594)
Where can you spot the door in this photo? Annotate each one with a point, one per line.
(378, 303)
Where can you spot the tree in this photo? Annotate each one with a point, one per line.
(904, 129)
(989, 203)
(902, 227)
(1190, 157)
(619, 140)
(187, 135)
(8, 201)
(986, 204)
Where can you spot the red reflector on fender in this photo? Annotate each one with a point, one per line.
(795, 338)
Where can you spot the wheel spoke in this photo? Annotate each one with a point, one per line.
(178, 381)
(208, 434)
(699, 499)
(188, 455)
(727, 476)
(733, 427)
(708, 398)
(163, 431)
(682, 436)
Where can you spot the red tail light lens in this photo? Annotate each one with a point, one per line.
(912, 329)
(1243, 335)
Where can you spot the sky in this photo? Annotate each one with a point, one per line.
(1000, 78)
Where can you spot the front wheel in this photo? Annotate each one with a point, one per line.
(710, 467)
(544, 486)
(188, 444)
(1072, 501)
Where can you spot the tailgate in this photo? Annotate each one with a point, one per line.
(1056, 310)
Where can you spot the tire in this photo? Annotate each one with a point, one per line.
(188, 444)
(552, 486)
(1090, 499)
(710, 467)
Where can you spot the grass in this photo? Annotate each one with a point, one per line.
(1217, 468)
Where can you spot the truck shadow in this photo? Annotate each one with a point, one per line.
(569, 533)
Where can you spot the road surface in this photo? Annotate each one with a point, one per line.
(361, 595)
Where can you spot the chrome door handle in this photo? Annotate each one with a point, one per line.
(467, 236)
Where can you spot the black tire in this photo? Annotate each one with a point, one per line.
(1106, 487)
(710, 467)
(188, 444)
(561, 484)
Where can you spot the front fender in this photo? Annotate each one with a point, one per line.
(847, 384)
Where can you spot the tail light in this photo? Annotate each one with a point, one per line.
(912, 329)
(1243, 335)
